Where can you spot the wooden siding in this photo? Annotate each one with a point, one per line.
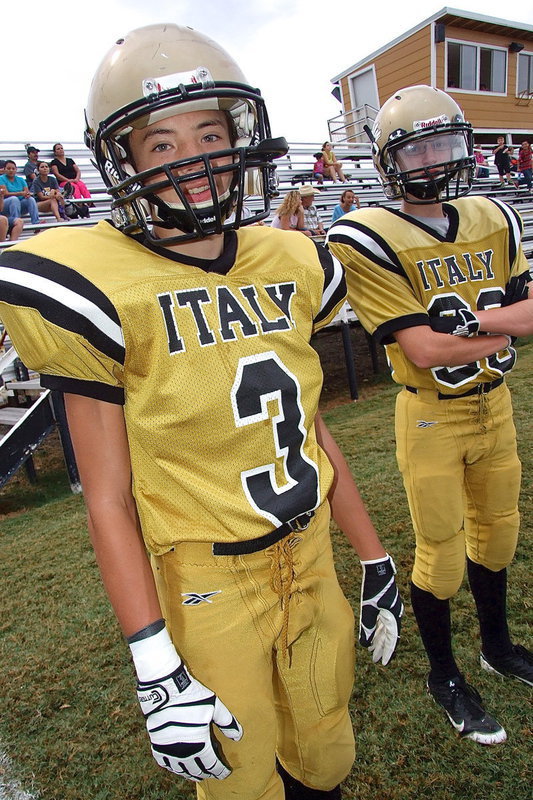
(406, 64)
(409, 62)
(482, 110)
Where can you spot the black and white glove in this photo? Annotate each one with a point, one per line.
(180, 712)
(381, 609)
(517, 289)
(462, 323)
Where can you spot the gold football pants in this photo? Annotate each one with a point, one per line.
(273, 635)
(461, 473)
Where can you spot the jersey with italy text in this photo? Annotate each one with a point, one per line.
(400, 272)
(211, 360)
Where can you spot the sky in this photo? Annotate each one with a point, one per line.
(290, 51)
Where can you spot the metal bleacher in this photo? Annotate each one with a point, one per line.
(293, 170)
(31, 412)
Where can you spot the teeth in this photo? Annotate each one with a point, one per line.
(198, 190)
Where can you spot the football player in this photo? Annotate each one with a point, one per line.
(427, 280)
(183, 346)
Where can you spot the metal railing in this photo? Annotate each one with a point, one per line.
(349, 125)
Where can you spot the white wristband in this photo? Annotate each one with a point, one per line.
(376, 560)
(154, 657)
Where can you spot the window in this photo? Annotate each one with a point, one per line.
(475, 68)
(525, 73)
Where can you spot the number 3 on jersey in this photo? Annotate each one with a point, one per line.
(259, 380)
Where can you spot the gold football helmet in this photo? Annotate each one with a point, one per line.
(157, 72)
(422, 147)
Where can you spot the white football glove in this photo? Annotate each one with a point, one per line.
(381, 609)
(179, 712)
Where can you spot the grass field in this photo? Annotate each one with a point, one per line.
(70, 724)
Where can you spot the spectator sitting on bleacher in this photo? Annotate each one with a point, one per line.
(312, 221)
(513, 159)
(349, 202)
(30, 167)
(47, 193)
(67, 172)
(16, 190)
(290, 214)
(525, 165)
(318, 167)
(332, 167)
(9, 222)
(482, 165)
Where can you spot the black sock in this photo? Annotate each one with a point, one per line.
(490, 594)
(294, 790)
(434, 624)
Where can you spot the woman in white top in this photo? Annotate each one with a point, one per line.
(290, 214)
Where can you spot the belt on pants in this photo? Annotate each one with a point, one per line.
(262, 542)
(480, 388)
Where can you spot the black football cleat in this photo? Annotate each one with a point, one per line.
(516, 664)
(464, 708)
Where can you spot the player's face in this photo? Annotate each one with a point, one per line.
(424, 153)
(179, 137)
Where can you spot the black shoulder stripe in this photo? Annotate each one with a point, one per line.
(515, 225)
(325, 258)
(60, 274)
(334, 282)
(62, 296)
(94, 389)
(367, 242)
(62, 316)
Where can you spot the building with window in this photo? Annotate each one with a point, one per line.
(485, 63)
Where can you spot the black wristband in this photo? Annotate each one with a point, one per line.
(145, 633)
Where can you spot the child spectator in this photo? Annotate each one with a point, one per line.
(525, 165)
(482, 165)
(47, 193)
(16, 190)
(318, 168)
(502, 161)
(513, 159)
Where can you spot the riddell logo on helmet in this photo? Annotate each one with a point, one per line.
(421, 124)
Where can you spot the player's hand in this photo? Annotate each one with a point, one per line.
(462, 323)
(179, 711)
(516, 290)
(381, 609)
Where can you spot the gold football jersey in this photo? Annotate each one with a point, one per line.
(212, 361)
(400, 271)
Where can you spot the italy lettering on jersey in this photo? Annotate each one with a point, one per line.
(214, 366)
(400, 272)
